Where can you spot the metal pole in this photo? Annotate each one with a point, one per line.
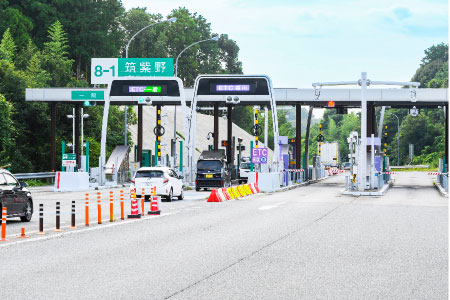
(53, 137)
(216, 127)
(229, 134)
(126, 55)
(73, 130)
(362, 167)
(298, 136)
(398, 138)
(174, 146)
(176, 75)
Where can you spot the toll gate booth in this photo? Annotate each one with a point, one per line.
(157, 91)
(229, 90)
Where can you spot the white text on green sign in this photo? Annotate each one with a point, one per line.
(104, 70)
(88, 95)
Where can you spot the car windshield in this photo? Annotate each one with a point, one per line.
(209, 165)
(245, 166)
(149, 174)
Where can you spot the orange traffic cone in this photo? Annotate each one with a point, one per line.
(134, 209)
(154, 210)
(214, 197)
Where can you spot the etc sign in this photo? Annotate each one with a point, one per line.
(259, 155)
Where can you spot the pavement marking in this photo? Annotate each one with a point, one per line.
(48, 237)
(267, 207)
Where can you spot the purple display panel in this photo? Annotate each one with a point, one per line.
(233, 88)
(136, 89)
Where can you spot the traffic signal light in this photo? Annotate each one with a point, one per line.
(224, 143)
(331, 103)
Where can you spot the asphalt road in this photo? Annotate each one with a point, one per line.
(306, 243)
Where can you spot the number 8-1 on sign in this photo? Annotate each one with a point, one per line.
(103, 70)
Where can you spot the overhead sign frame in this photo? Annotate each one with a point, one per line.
(120, 83)
(260, 88)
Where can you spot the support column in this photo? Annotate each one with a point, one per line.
(53, 137)
(371, 119)
(216, 126)
(158, 137)
(77, 135)
(446, 136)
(308, 125)
(139, 137)
(229, 133)
(298, 136)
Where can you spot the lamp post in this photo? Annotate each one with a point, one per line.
(398, 138)
(126, 55)
(216, 38)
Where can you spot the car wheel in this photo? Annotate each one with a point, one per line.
(28, 212)
(197, 189)
(181, 197)
(170, 196)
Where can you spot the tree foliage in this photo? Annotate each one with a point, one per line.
(50, 44)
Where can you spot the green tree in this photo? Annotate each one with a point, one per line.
(20, 25)
(55, 56)
(7, 47)
(6, 132)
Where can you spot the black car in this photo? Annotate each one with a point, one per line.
(15, 197)
(212, 170)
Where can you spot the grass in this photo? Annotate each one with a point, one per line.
(414, 169)
(37, 182)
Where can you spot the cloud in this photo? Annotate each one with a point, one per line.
(300, 41)
(402, 13)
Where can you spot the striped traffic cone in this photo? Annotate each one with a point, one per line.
(134, 209)
(154, 209)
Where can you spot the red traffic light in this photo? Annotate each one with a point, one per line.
(331, 103)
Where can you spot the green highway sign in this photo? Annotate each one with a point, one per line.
(104, 70)
(88, 95)
(69, 156)
(145, 67)
(69, 159)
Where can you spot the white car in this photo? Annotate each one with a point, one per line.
(244, 169)
(168, 183)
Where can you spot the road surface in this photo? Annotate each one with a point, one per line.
(307, 243)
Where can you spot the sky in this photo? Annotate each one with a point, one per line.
(297, 42)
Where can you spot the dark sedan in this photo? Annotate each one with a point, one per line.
(15, 197)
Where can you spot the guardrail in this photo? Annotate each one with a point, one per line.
(35, 175)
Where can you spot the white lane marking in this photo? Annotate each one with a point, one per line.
(101, 226)
(267, 207)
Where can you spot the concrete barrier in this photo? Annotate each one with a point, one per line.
(71, 181)
(267, 182)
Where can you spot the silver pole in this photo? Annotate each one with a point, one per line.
(363, 150)
(126, 55)
(175, 113)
